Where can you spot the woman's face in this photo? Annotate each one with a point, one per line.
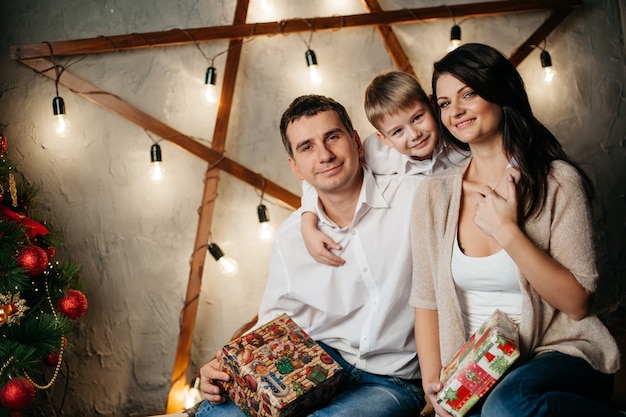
(469, 117)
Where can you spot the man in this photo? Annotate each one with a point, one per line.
(359, 312)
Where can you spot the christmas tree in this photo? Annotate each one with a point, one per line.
(39, 295)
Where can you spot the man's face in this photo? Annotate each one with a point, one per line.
(324, 153)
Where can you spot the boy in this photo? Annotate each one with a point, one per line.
(397, 106)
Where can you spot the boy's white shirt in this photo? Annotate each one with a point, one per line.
(385, 160)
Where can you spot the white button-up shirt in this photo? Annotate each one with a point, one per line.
(360, 308)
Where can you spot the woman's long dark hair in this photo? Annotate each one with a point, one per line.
(533, 147)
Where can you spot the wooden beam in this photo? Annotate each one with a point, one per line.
(116, 105)
(237, 31)
(392, 44)
(205, 220)
(539, 35)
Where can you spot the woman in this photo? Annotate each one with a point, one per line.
(527, 251)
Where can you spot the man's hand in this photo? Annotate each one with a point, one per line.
(210, 373)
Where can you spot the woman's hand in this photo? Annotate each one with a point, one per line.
(495, 214)
(431, 391)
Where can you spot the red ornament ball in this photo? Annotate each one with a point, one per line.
(52, 359)
(73, 304)
(18, 394)
(33, 259)
(50, 251)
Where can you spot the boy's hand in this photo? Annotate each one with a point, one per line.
(317, 243)
(319, 246)
(325, 256)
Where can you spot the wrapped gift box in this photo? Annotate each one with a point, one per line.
(479, 363)
(278, 370)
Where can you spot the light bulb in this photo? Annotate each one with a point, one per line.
(156, 172)
(227, 265)
(210, 93)
(455, 38)
(62, 125)
(210, 90)
(266, 231)
(266, 6)
(192, 393)
(548, 74)
(314, 72)
(315, 75)
(546, 63)
(156, 164)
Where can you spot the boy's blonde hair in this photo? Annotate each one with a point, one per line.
(389, 92)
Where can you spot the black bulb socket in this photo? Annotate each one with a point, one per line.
(211, 76)
(263, 214)
(58, 106)
(311, 59)
(546, 60)
(155, 153)
(455, 33)
(215, 251)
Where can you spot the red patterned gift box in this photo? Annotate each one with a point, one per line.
(479, 363)
(278, 370)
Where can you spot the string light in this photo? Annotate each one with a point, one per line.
(192, 393)
(266, 6)
(62, 125)
(455, 33)
(266, 231)
(210, 90)
(314, 72)
(455, 37)
(157, 173)
(156, 164)
(546, 64)
(315, 75)
(227, 265)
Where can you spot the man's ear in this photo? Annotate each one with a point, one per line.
(384, 139)
(295, 169)
(359, 144)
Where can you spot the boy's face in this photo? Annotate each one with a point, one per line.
(411, 130)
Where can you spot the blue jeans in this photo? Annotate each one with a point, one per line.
(551, 384)
(358, 394)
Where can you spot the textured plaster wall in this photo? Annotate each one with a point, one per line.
(134, 240)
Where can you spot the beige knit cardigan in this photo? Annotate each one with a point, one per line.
(563, 229)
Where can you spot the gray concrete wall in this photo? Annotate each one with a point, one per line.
(135, 240)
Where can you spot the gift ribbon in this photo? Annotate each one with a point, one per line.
(6, 310)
